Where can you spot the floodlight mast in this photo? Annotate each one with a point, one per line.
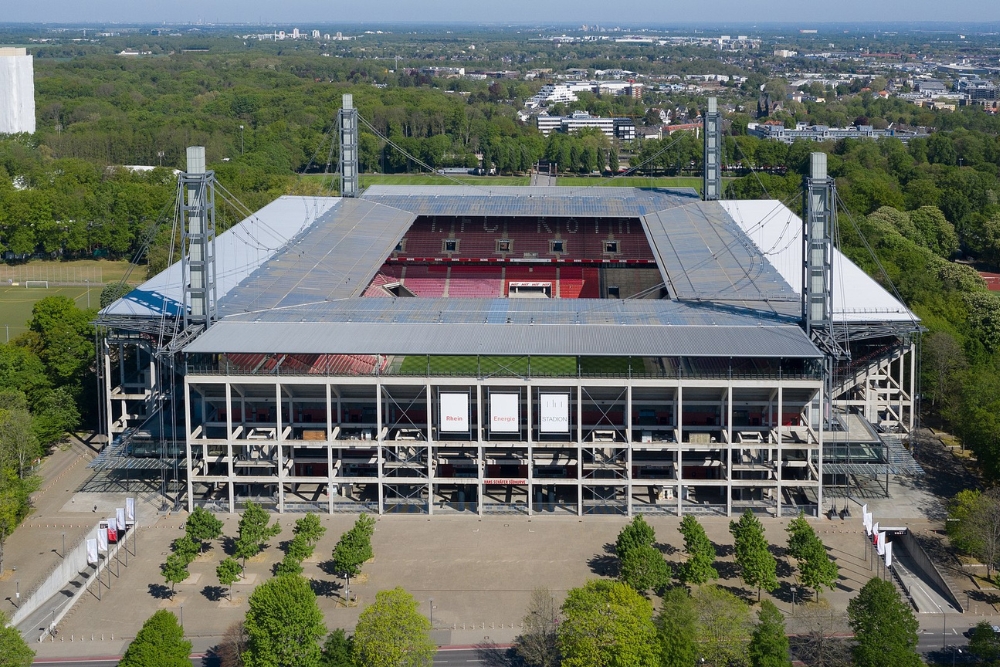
(197, 192)
(347, 119)
(712, 132)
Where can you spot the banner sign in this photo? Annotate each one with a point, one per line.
(505, 413)
(504, 481)
(120, 518)
(888, 554)
(553, 413)
(881, 544)
(454, 413)
(130, 511)
(102, 537)
(875, 534)
(92, 551)
(112, 529)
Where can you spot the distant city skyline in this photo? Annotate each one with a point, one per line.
(511, 11)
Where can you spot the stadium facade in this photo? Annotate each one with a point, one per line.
(531, 350)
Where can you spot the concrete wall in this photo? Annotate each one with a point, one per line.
(73, 564)
(926, 567)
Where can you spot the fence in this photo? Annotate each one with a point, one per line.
(54, 273)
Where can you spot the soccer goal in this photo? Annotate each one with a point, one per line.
(36, 283)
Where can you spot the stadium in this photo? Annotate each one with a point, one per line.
(533, 350)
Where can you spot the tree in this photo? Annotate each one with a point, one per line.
(644, 568)
(606, 623)
(391, 632)
(202, 526)
(64, 338)
(14, 651)
(310, 530)
(338, 650)
(816, 569)
(254, 531)
(228, 572)
(800, 535)
(677, 629)
(54, 414)
(976, 528)
(354, 548)
(723, 625)
(537, 644)
(112, 292)
(284, 625)
(288, 565)
(769, 644)
(985, 643)
(697, 569)
(233, 644)
(175, 570)
(885, 630)
(758, 569)
(159, 643)
(636, 533)
(186, 548)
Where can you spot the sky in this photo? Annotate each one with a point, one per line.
(573, 12)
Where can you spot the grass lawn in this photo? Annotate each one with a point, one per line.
(635, 182)
(97, 271)
(517, 366)
(16, 304)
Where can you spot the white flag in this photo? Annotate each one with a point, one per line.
(866, 519)
(888, 554)
(92, 552)
(130, 510)
(120, 518)
(881, 544)
(102, 538)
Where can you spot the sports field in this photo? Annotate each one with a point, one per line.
(516, 366)
(425, 179)
(16, 304)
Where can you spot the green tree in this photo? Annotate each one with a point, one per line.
(186, 548)
(758, 569)
(800, 535)
(202, 526)
(723, 625)
(254, 531)
(698, 568)
(175, 571)
(644, 568)
(112, 292)
(537, 644)
(636, 533)
(985, 643)
(63, 337)
(391, 632)
(310, 530)
(338, 650)
(159, 643)
(288, 565)
(228, 572)
(816, 569)
(769, 644)
(54, 415)
(14, 651)
(606, 623)
(353, 549)
(975, 525)
(677, 629)
(885, 630)
(284, 625)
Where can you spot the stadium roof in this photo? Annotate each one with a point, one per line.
(503, 339)
(777, 233)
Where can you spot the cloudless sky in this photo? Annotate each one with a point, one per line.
(571, 12)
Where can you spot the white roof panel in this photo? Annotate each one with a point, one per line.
(240, 251)
(777, 233)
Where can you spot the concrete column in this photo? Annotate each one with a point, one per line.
(278, 439)
(679, 412)
(579, 450)
(819, 461)
(729, 449)
(628, 450)
(531, 454)
(378, 447)
(329, 448)
(231, 466)
(913, 386)
(187, 444)
(780, 444)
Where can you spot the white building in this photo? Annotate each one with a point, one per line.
(315, 34)
(17, 92)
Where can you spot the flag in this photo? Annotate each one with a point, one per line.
(102, 537)
(92, 551)
(112, 529)
(120, 518)
(888, 554)
(130, 510)
(881, 544)
(875, 534)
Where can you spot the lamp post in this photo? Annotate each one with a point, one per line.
(432, 613)
(241, 140)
